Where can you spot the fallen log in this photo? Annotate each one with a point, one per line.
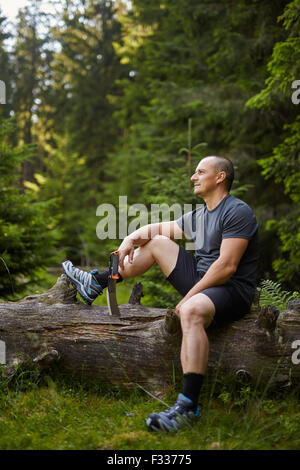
(143, 345)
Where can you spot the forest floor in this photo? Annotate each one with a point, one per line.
(53, 413)
(49, 412)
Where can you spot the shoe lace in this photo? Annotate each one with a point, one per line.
(174, 409)
(82, 276)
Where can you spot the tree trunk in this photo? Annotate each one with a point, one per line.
(143, 345)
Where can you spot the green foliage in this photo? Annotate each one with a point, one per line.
(125, 101)
(194, 68)
(281, 164)
(85, 71)
(27, 240)
(67, 180)
(76, 127)
(51, 412)
(29, 64)
(158, 292)
(271, 293)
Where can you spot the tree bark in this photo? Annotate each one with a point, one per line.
(143, 345)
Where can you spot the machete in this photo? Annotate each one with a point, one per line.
(111, 287)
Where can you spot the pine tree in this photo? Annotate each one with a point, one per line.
(85, 70)
(28, 75)
(198, 62)
(27, 238)
(85, 73)
(283, 163)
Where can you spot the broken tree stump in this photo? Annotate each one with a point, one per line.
(143, 345)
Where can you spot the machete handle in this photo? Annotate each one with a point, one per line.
(114, 264)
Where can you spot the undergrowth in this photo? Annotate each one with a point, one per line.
(271, 293)
(54, 411)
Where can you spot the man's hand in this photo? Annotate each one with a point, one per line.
(142, 235)
(126, 248)
(179, 305)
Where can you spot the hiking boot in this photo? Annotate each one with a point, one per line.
(173, 418)
(86, 284)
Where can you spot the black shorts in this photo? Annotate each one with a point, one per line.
(228, 302)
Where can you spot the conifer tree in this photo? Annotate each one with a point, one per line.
(27, 237)
(29, 64)
(85, 70)
(279, 100)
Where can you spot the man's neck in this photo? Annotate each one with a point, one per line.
(213, 200)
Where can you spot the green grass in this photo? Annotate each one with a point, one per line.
(54, 412)
(123, 291)
(57, 413)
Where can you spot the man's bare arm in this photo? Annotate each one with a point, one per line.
(142, 235)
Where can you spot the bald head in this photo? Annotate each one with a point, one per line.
(222, 164)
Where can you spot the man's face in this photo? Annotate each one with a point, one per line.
(205, 178)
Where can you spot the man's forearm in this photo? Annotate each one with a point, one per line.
(218, 273)
(142, 235)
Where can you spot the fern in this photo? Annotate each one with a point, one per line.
(271, 293)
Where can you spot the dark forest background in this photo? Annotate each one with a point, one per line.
(107, 98)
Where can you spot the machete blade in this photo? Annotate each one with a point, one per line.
(112, 298)
(112, 303)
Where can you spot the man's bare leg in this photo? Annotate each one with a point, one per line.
(159, 249)
(196, 314)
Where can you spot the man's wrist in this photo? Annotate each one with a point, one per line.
(196, 289)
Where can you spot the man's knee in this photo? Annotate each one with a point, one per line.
(154, 242)
(161, 245)
(197, 312)
(164, 251)
(159, 239)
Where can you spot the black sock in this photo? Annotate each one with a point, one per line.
(192, 386)
(102, 278)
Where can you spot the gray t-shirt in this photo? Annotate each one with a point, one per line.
(232, 218)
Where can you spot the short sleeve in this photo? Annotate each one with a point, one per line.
(185, 223)
(239, 222)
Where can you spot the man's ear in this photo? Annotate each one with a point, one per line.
(221, 176)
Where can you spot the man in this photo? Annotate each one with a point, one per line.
(217, 284)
